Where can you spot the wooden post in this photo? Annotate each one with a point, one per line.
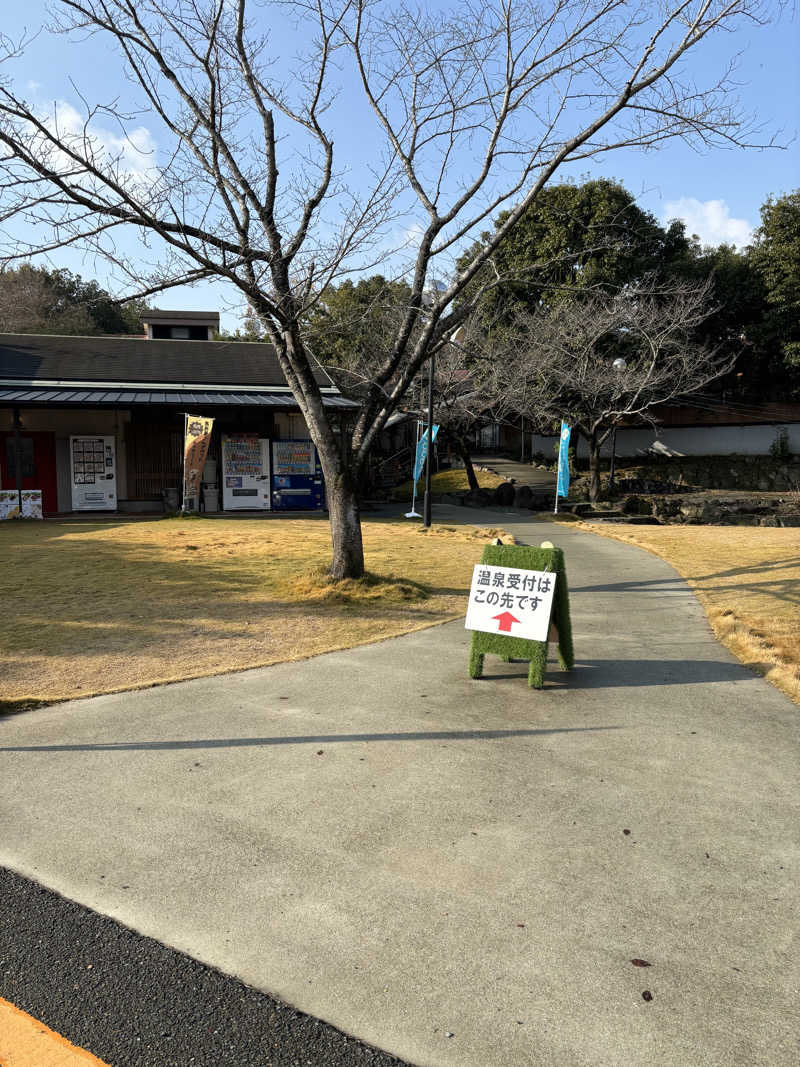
(18, 454)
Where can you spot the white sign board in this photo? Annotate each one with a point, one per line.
(31, 503)
(510, 601)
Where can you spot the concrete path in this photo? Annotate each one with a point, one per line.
(459, 872)
(522, 473)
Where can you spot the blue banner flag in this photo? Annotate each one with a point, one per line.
(563, 462)
(422, 452)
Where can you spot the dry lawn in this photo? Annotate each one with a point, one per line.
(452, 481)
(100, 607)
(748, 580)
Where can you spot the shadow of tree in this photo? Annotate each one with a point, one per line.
(785, 589)
(304, 739)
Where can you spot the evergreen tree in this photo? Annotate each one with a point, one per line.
(775, 255)
(37, 300)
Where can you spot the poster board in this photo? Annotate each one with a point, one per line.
(32, 504)
(536, 564)
(9, 504)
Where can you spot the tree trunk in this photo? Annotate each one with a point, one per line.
(345, 519)
(463, 451)
(341, 471)
(593, 441)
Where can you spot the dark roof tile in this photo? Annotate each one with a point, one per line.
(135, 360)
(182, 398)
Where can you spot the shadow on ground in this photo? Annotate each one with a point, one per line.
(627, 673)
(305, 739)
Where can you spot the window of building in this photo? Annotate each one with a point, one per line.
(26, 457)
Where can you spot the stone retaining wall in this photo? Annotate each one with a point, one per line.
(760, 474)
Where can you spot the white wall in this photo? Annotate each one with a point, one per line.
(689, 440)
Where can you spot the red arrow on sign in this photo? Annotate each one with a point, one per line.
(504, 621)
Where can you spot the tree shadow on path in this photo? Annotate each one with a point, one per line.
(303, 739)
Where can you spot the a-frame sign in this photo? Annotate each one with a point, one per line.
(520, 600)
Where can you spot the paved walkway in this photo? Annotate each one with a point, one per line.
(522, 473)
(459, 872)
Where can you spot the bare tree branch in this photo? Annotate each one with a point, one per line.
(599, 359)
(464, 112)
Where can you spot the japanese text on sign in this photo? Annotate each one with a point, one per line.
(505, 600)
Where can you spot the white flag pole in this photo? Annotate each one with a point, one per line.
(414, 514)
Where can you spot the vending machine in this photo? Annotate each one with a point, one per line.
(296, 477)
(245, 473)
(93, 467)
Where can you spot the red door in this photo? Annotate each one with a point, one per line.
(38, 455)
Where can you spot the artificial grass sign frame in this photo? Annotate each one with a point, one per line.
(528, 558)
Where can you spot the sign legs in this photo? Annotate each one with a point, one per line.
(533, 651)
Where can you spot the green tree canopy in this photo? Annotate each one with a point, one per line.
(584, 237)
(775, 255)
(736, 323)
(593, 237)
(352, 323)
(37, 300)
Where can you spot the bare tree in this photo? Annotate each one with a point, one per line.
(462, 384)
(598, 360)
(470, 112)
(29, 304)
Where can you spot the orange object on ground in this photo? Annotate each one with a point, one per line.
(25, 1042)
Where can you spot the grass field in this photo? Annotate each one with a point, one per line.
(452, 481)
(748, 580)
(98, 607)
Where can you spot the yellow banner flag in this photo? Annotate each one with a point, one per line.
(197, 438)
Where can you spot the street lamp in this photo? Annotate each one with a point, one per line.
(455, 337)
(618, 366)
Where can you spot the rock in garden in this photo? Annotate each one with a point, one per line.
(504, 495)
(524, 497)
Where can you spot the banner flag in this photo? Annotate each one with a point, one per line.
(563, 461)
(422, 452)
(197, 438)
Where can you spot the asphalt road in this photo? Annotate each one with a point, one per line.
(133, 1002)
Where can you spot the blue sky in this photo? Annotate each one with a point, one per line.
(717, 193)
